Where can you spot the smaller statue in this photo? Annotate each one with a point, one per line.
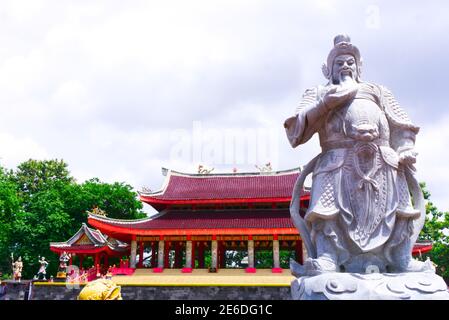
(17, 269)
(100, 289)
(63, 259)
(42, 270)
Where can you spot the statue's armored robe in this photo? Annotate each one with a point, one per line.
(357, 180)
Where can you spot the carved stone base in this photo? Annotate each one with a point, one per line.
(373, 286)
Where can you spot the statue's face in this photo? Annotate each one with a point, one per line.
(344, 66)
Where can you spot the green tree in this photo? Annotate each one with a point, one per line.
(41, 202)
(10, 207)
(436, 229)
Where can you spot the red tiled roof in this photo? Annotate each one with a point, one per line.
(97, 242)
(210, 220)
(180, 186)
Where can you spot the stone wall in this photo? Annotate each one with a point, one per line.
(12, 290)
(48, 292)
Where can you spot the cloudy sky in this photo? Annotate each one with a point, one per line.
(119, 89)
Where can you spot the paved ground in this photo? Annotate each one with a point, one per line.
(201, 277)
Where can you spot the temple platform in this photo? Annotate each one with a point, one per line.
(202, 277)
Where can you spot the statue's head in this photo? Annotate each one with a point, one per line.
(20, 259)
(343, 60)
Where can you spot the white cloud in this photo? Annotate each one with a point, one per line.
(15, 150)
(432, 145)
(104, 84)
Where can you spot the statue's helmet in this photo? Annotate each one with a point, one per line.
(342, 45)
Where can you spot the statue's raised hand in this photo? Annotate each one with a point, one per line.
(336, 96)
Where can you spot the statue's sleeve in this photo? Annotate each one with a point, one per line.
(301, 127)
(402, 131)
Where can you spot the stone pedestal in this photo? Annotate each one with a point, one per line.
(373, 286)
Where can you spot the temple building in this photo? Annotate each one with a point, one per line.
(90, 242)
(202, 215)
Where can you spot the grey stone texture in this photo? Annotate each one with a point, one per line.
(373, 286)
(361, 218)
(166, 293)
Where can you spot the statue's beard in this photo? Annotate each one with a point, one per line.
(346, 78)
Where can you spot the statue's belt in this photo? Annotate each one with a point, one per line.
(348, 144)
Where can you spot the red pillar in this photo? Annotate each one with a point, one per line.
(96, 260)
(106, 261)
(81, 257)
(141, 249)
(153, 254)
(298, 248)
(201, 254)
(178, 255)
(70, 261)
(193, 254)
(166, 252)
(222, 255)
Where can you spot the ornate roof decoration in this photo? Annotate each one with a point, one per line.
(88, 239)
(96, 210)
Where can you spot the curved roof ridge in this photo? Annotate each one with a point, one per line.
(169, 173)
(234, 174)
(124, 221)
(185, 183)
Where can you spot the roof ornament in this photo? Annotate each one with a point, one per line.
(97, 211)
(146, 190)
(204, 170)
(266, 168)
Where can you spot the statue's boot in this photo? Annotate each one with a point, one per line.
(297, 269)
(419, 266)
(312, 267)
(320, 265)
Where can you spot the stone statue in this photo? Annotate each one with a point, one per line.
(63, 259)
(17, 269)
(360, 218)
(42, 269)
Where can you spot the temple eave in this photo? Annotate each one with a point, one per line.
(158, 200)
(129, 232)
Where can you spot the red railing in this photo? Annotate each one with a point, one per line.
(92, 274)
